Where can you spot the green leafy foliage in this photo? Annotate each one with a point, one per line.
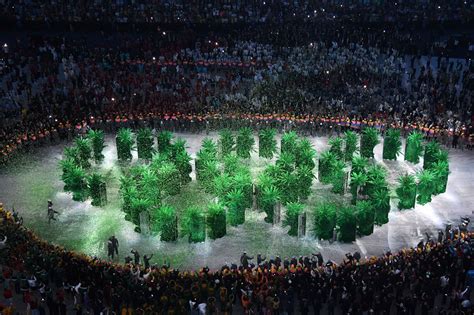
(358, 181)
(293, 210)
(169, 179)
(359, 164)
(324, 216)
(304, 177)
(289, 143)
(245, 143)
(440, 170)
(125, 144)
(97, 140)
(406, 192)
(346, 221)
(268, 198)
(365, 214)
(381, 203)
(414, 147)
(164, 142)
(145, 143)
(236, 207)
(335, 145)
(267, 143)
(426, 186)
(226, 142)
(432, 149)
(165, 221)
(193, 224)
(216, 220)
(84, 152)
(392, 144)
(96, 184)
(350, 147)
(305, 154)
(325, 167)
(337, 177)
(368, 140)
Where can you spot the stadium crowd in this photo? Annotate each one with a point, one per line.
(433, 277)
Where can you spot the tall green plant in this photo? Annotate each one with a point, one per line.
(441, 171)
(165, 221)
(76, 182)
(293, 210)
(128, 191)
(406, 192)
(287, 183)
(432, 149)
(365, 214)
(138, 206)
(347, 224)
(414, 147)
(125, 144)
(183, 164)
(84, 152)
(226, 142)
(96, 184)
(426, 186)
(381, 203)
(193, 224)
(145, 143)
(359, 164)
(358, 181)
(368, 140)
(245, 142)
(337, 177)
(350, 144)
(267, 143)
(324, 216)
(97, 140)
(335, 145)
(304, 178)
(326, 166)
(236, 207)
(216, 221)
(164, 142)
(392, 144)
(169, 179)
(268, 198)
(289, 143)
(305, 154)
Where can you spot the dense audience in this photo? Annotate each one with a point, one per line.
(49, 278)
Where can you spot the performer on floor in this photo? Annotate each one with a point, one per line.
(51, 211)
(146, 260)
(136, 256)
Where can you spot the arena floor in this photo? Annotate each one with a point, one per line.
(28, 183)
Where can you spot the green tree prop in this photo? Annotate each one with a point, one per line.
(223, 184)
(165, 221)
(169, 179)
(286, 162)
(358, 181)
(209, 148)
(267, 143)
(84, 152)
(128, 191)
(414, 147)
(325, 167)
(67, 165)
(368, 140)
(125, 144)
(293, 210)
(150, 186)
(72, 154)
(406, 192)
(236, 207)
(245, 142)
(381, 203)
(324, 220)
(350, 147)
(426, 186)
(138, 206)
(392, 144)
(193, 224)
(216, 221)
(177, 147)
(337, 177)
(432, 149)
(207, 175)
(289, 143)
(304, 178)
(347, 224)
(359, 164)
(76, 182)
(96, 183)
(163, 140)
(183, 164)
(268, 198)
(231, 164)
(287, 183)
(305, 154)
(441, 172)
(335, 145)
(243, 182)
(97, 140)
(365, 214)
(145, 143)
(226, 142)
(376, 179)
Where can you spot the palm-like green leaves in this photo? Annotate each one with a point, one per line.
(287, 184)
(289, 143)
(208, 172)
(426, 186)
(376, 179)
(441, 171)
(76, 182)
(368, 140)
(406, 192)
(365, 214)
(359, 164)
(304, 175)
(236, 206)
(96, 185)
(414, 147)
(335, 145)
(431, 151)
(165, 221)
(381, 203)
(337, 177)
(183, 164)
(324, 220)
(293, 210)
(125, 143)
(145, 143)
(226, 142)
(84, 152)
(193, 224)
(138, 205)
(346, 221)
(97, 139)
(128, 191)
(350, 147)
(325, 167)
(164, 142)
(305, 154)
(286, 162)
(358, 181)
(216, 221)
(266, 143)
(392, 144)
(245, 142)
(169, 179)
(268, 197)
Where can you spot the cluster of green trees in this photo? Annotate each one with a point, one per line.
(76, 168)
